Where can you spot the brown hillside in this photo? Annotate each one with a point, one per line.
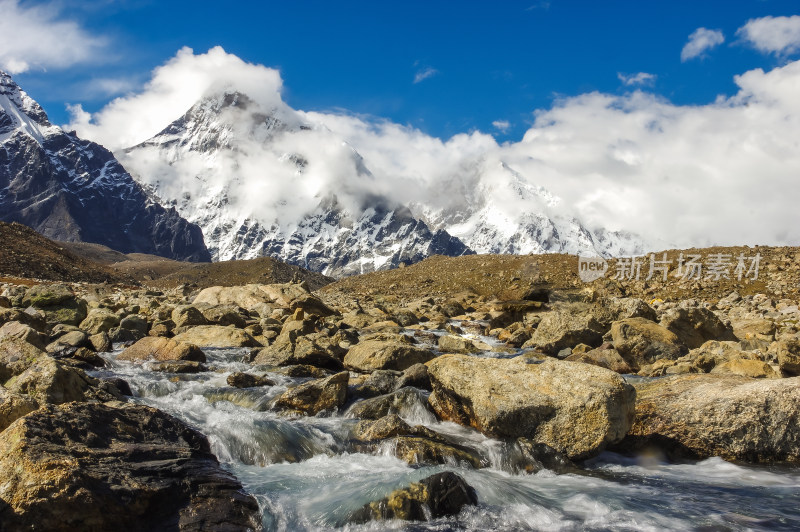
(24, 253)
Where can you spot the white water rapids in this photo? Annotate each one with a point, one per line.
(303, 479)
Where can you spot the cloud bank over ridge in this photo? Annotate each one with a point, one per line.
(721, 173)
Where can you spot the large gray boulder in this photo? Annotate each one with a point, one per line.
(737, 418)
(575, 408)
(560, 329)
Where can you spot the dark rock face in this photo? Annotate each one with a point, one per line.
(74, 190)
(101, 467)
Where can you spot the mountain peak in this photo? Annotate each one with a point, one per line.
(18, 111)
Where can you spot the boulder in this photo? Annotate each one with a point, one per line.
(370, 355)
(311, 305)
(607, 357)
(101, 342)
(789, 357)
(316, 396)
(25, 333)
(701, 360)
(48, 295)
(405, 317)
(135, 323)
(416, 376)
(577, 409)
(755, 369)
(247, 296)
(225, 315)
(379, 382)
(178, 366)
(439, 495)
(248, 380)
(70, 339)
(118, 467)
(456, 344)
(402, 402)
(158, 348)
(99, 320)
(188, 316)
(694, 326)
(640, 341)
(699, 416)
(563, 328)
(748, 328)
(50, 381)
(217, 336)
(16, 356)
(13, 406)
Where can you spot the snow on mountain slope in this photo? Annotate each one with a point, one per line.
(272, 181)
(75, 190)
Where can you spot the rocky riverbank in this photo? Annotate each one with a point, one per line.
(461, 382)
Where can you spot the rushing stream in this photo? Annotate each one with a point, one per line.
(299, 470)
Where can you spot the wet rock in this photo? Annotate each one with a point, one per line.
(575, 408)
(563, 328)
(456, 344)
(452, 308)
(694, 326)
(120, 384)
(217, 336)
(789, 357)
(316, 396)
(87, 358)
(416, 376)
(118, 335)
(439, 495)
(641, 342)
(178, 366)
(162, 349)
(388, 426)
(99, 320)
(13, 406)
(124, 467)
(370, 355)
(50, 381)
(402, 401)
(248, 380)
(737, 418)
(302, 371)
(416, 450)
(135, 323)
(538, 456)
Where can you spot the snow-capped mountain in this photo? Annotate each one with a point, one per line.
(270, 181)
(249, 178)
(71, 189)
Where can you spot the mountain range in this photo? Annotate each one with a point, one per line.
(233, 178)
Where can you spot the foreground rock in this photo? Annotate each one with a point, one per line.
(162, 349)
(217, 336)
(737, 418)
(13, 406)
(316, 396)
(439, 495)
(574, 408)
(371, 355)
(101, 467)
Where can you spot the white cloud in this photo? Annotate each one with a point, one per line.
(777, 35)
(502, 125)
(424, 74)
(172, 90)
(36, 37)
(700, 41)
(721, 173)
(640, 78)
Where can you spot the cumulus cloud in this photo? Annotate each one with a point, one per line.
(776, 35)
(425, 73)
(37, 37)
(172, 90)
(502, 125)
(700, 41)
(640, 78)
(721, 173)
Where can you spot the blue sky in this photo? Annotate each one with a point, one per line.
(442, 67)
